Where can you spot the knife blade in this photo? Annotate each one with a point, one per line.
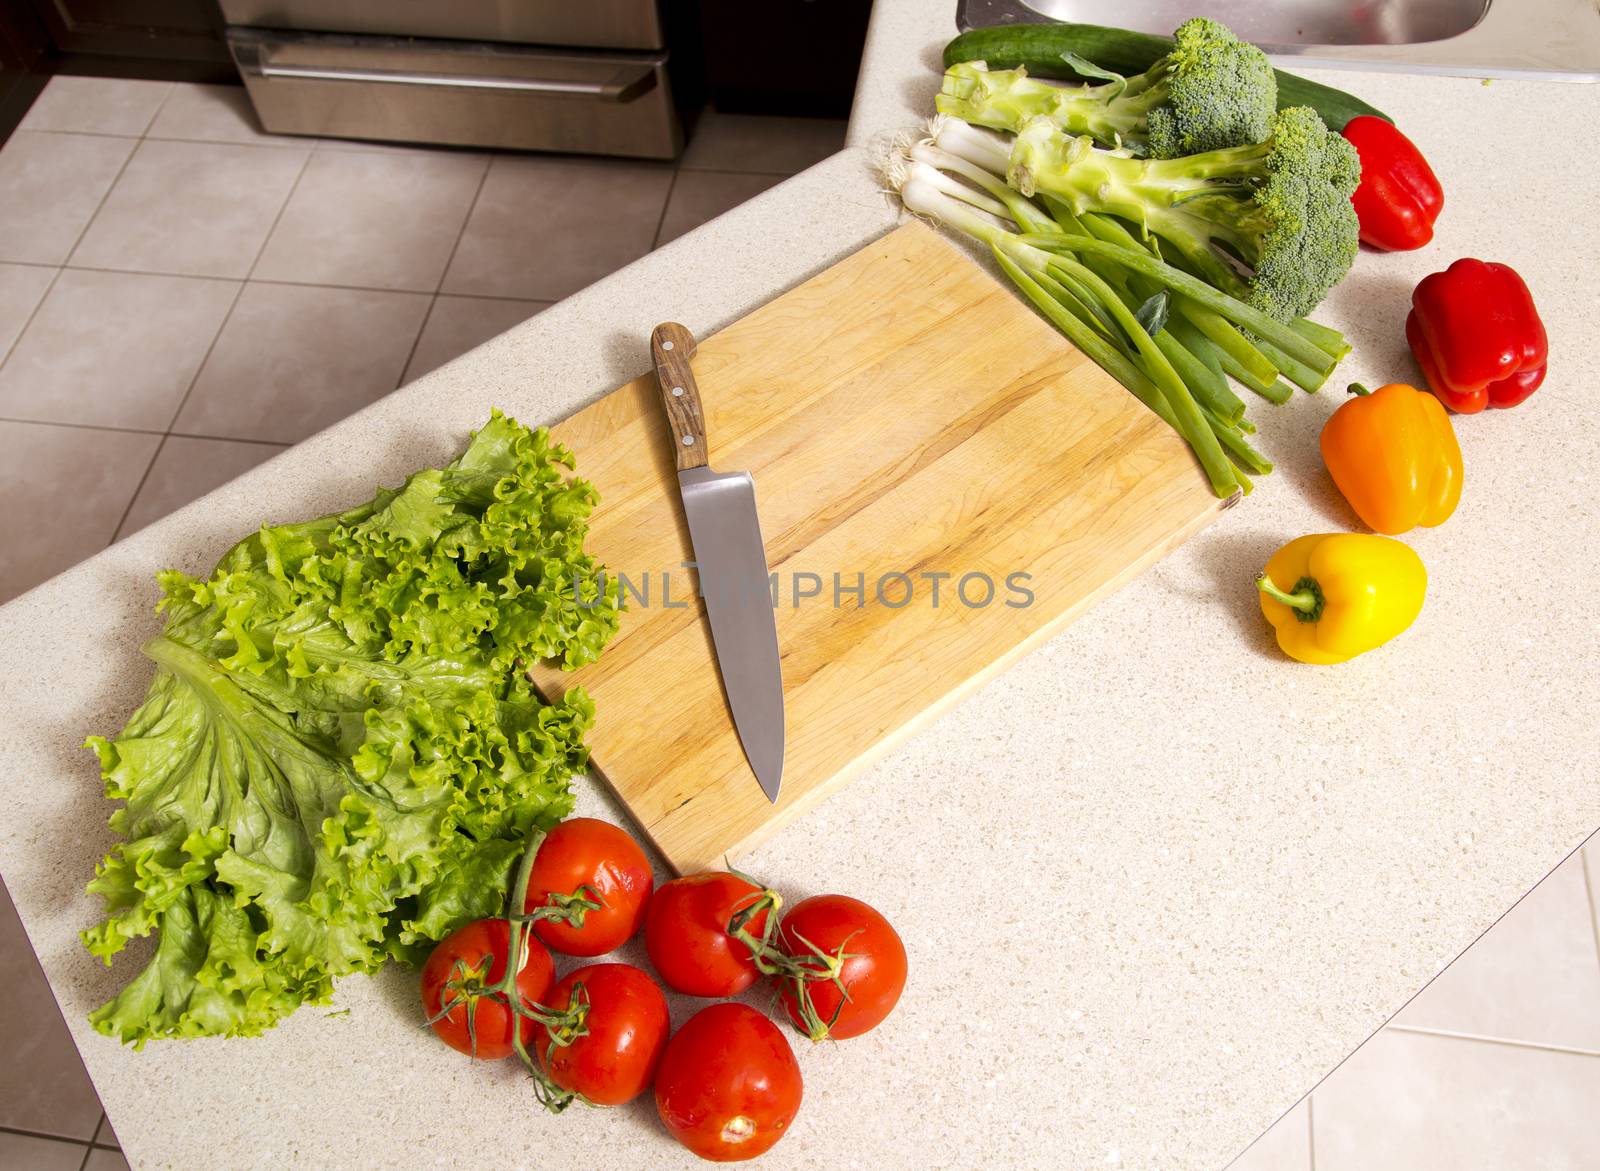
(725, 532)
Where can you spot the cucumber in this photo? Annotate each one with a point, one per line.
(1038, 48)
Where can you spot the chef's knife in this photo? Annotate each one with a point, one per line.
(732, 564)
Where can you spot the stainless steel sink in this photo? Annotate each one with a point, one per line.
(1552, 39)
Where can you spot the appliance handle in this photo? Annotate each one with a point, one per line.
(625, 86)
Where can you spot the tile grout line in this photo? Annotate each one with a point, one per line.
(238, 292)
(46, 1135)
(472, 206)
(661, 220)
(444, 272)
(189, 276)
(1541, 1046)
(172, 88)
(199, 369)
(142, 431)
(416, 341)
(76, 240)
(101, 205)
(49, 288)
(277, 219)
(116, 533)
(88, 1150)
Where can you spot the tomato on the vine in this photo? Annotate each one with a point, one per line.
(855, 966)
(459, 983)
(686, 933)
(607, 1049)
(596, 872)
(729, 1085)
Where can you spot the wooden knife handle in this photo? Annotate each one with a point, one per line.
(671, 346)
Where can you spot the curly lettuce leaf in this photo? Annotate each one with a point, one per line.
(340, 756)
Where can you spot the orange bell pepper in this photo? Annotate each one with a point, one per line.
(1394, 455)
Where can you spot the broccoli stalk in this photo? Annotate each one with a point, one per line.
(1211, 91)
(1280, 208)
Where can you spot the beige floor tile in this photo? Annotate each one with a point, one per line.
(50, 186)
(186, 469)
(701, 196)
(213, 113)
(1534, 976)
(97, 105)
(457, 324)
(22, 287)
(21, 1152)
(105, 1136)
(543, 227)
(191, 208)
(377, 219)
(1409, 1101)
(294, 359)
(1285, 1147)
(113, 349)
(43, 1086)
(102, 1160)
(81, 479)
(744, 142)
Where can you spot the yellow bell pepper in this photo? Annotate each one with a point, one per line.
(1333, 596)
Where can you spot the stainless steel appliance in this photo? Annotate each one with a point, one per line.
(554, 75)
(1556, 40)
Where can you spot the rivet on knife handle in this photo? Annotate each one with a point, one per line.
(671, 346)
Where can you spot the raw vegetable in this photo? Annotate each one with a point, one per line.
(590, 885)
(728, 1086)
(607, 1029)
(853, 967)
(1399, 197)
(1394, 455)
(693, 927)
(1213, 90)
(1092, 278)
(340, 757)
(1051, 50)
(1281, 206)
(1333, 596)
(1477, 336)
(461, 988)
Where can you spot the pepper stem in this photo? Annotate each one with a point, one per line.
(1304, 600)
(1357, 388)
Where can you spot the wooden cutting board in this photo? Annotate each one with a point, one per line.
(903, 413)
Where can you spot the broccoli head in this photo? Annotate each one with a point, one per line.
(1271, 224)
(1211, 91)
(1219, 92)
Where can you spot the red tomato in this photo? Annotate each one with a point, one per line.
(729, 1085)
(584, 852)
(686, 934)
(873, 971)
(615, 1060)
(462, 967)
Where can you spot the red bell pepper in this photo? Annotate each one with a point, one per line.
(1476, 335)
(1399, 196)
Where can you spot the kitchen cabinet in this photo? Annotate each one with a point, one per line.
(783, 56)
(23, 49)
(157, 30)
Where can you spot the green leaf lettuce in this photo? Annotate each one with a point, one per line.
(339, 757)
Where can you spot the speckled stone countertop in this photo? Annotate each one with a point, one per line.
(1155, 880)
